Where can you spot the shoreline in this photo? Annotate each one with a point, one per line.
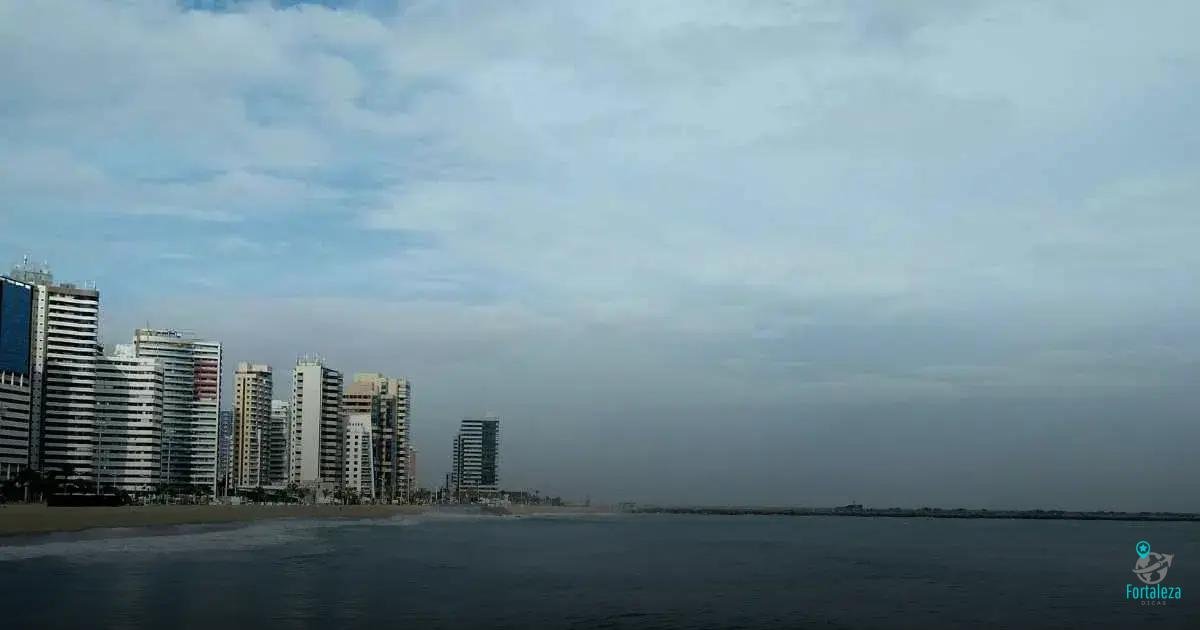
(37, 519)
(34, 519)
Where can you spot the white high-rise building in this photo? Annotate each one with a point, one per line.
(129, 409)
(253, 384)
(16, 380)
(316, 431)
(66, 347)
(191, 404)
(476, 457)
(277, 443)
(359, 456)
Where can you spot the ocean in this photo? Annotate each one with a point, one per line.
(598, 571)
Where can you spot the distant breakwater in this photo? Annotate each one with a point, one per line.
(858, 511)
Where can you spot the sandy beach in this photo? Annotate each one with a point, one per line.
(35, 519)
(39, 519)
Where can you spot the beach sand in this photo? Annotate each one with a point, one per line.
(36, 519)
(39, 519)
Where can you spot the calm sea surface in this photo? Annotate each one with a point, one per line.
(619, 571)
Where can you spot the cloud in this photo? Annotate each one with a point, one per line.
(724, 202)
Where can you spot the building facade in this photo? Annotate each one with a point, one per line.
(16, 380)
(476, 457)
(129, 411)
(65, 350)
(412, 472)
(277, 443)
(358, 458)
(361, 399)
(191, 404)
(225, 448)
(252, 388)
(388, 400)
(315, 447)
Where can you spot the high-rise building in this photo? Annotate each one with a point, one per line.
(129, 408)
(476, 455)
(362, 398)
(225, 447)
(316, 432)
(359, 455)
(191, 404)
(253, 385)
(65, 348)
(388, 400)
(14, 423)
(277, 443)
(16, 381)
(412, 471)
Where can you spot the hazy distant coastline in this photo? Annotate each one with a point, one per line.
(959, 513)
(39, 519)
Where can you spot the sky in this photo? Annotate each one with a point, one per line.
(704, 252)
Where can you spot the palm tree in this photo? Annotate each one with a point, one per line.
(30, 479)
(52, 483)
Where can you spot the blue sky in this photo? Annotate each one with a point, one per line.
(641, 230)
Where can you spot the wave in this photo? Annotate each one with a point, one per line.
(114, 544)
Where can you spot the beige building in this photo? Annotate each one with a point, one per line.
(253, 384)
(387, 401)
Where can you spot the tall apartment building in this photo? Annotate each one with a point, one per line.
(252, 388)
(191, 404)
(16, 379)
(361, 399)
(476, 457)
(412, 471)
(388, 400)
(316, 431)
(129, 412)
(358, 458)
(277, 443)
(14, 423)
(65, 349)
(225, 448)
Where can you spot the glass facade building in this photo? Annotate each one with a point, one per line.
(16, 308)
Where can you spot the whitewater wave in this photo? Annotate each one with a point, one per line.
(121, 543)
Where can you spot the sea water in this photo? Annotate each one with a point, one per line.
(597, 571)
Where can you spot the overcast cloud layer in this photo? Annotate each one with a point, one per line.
(690, 251)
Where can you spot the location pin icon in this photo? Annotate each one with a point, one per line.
(1143, 548)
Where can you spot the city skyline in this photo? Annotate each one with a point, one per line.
(920, 253)
(149, 414)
